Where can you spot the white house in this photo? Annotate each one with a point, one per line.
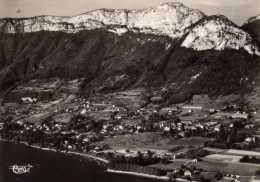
(111, 109)
(239, 116)
(166, 128)
(169, 109)
(84, 111)
(187, 173)
(28, 99)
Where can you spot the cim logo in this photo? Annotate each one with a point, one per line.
(21, 169)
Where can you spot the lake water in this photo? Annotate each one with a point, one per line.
(49, 166)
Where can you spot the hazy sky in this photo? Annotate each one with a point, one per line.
(236, 10)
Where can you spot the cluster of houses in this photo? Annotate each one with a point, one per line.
(191, 117)
(84, 106)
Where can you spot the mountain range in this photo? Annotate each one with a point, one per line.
(168, 47)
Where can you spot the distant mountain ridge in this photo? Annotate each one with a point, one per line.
(169, 47)
(171, 19)
(166, 19)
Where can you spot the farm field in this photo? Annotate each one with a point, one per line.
(242, 153)
(224, 158)
(227, 168)
(207, 102)
(133, 99)
(215, 150)
(152, 141)
(245, 171)
(174, 164)
(192, 141)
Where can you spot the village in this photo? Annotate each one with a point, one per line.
(182, 142)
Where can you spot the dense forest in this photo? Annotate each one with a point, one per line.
(109, 63)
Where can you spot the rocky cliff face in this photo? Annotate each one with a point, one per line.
(219, 33)
(166, 19)
(171, 19)
(168, 47)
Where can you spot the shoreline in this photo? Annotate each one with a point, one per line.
(97, 159)
(165, 178)
(69, 152)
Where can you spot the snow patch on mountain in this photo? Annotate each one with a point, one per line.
(167, 46)
(219, 33)
(118, 31)
(193, 78)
